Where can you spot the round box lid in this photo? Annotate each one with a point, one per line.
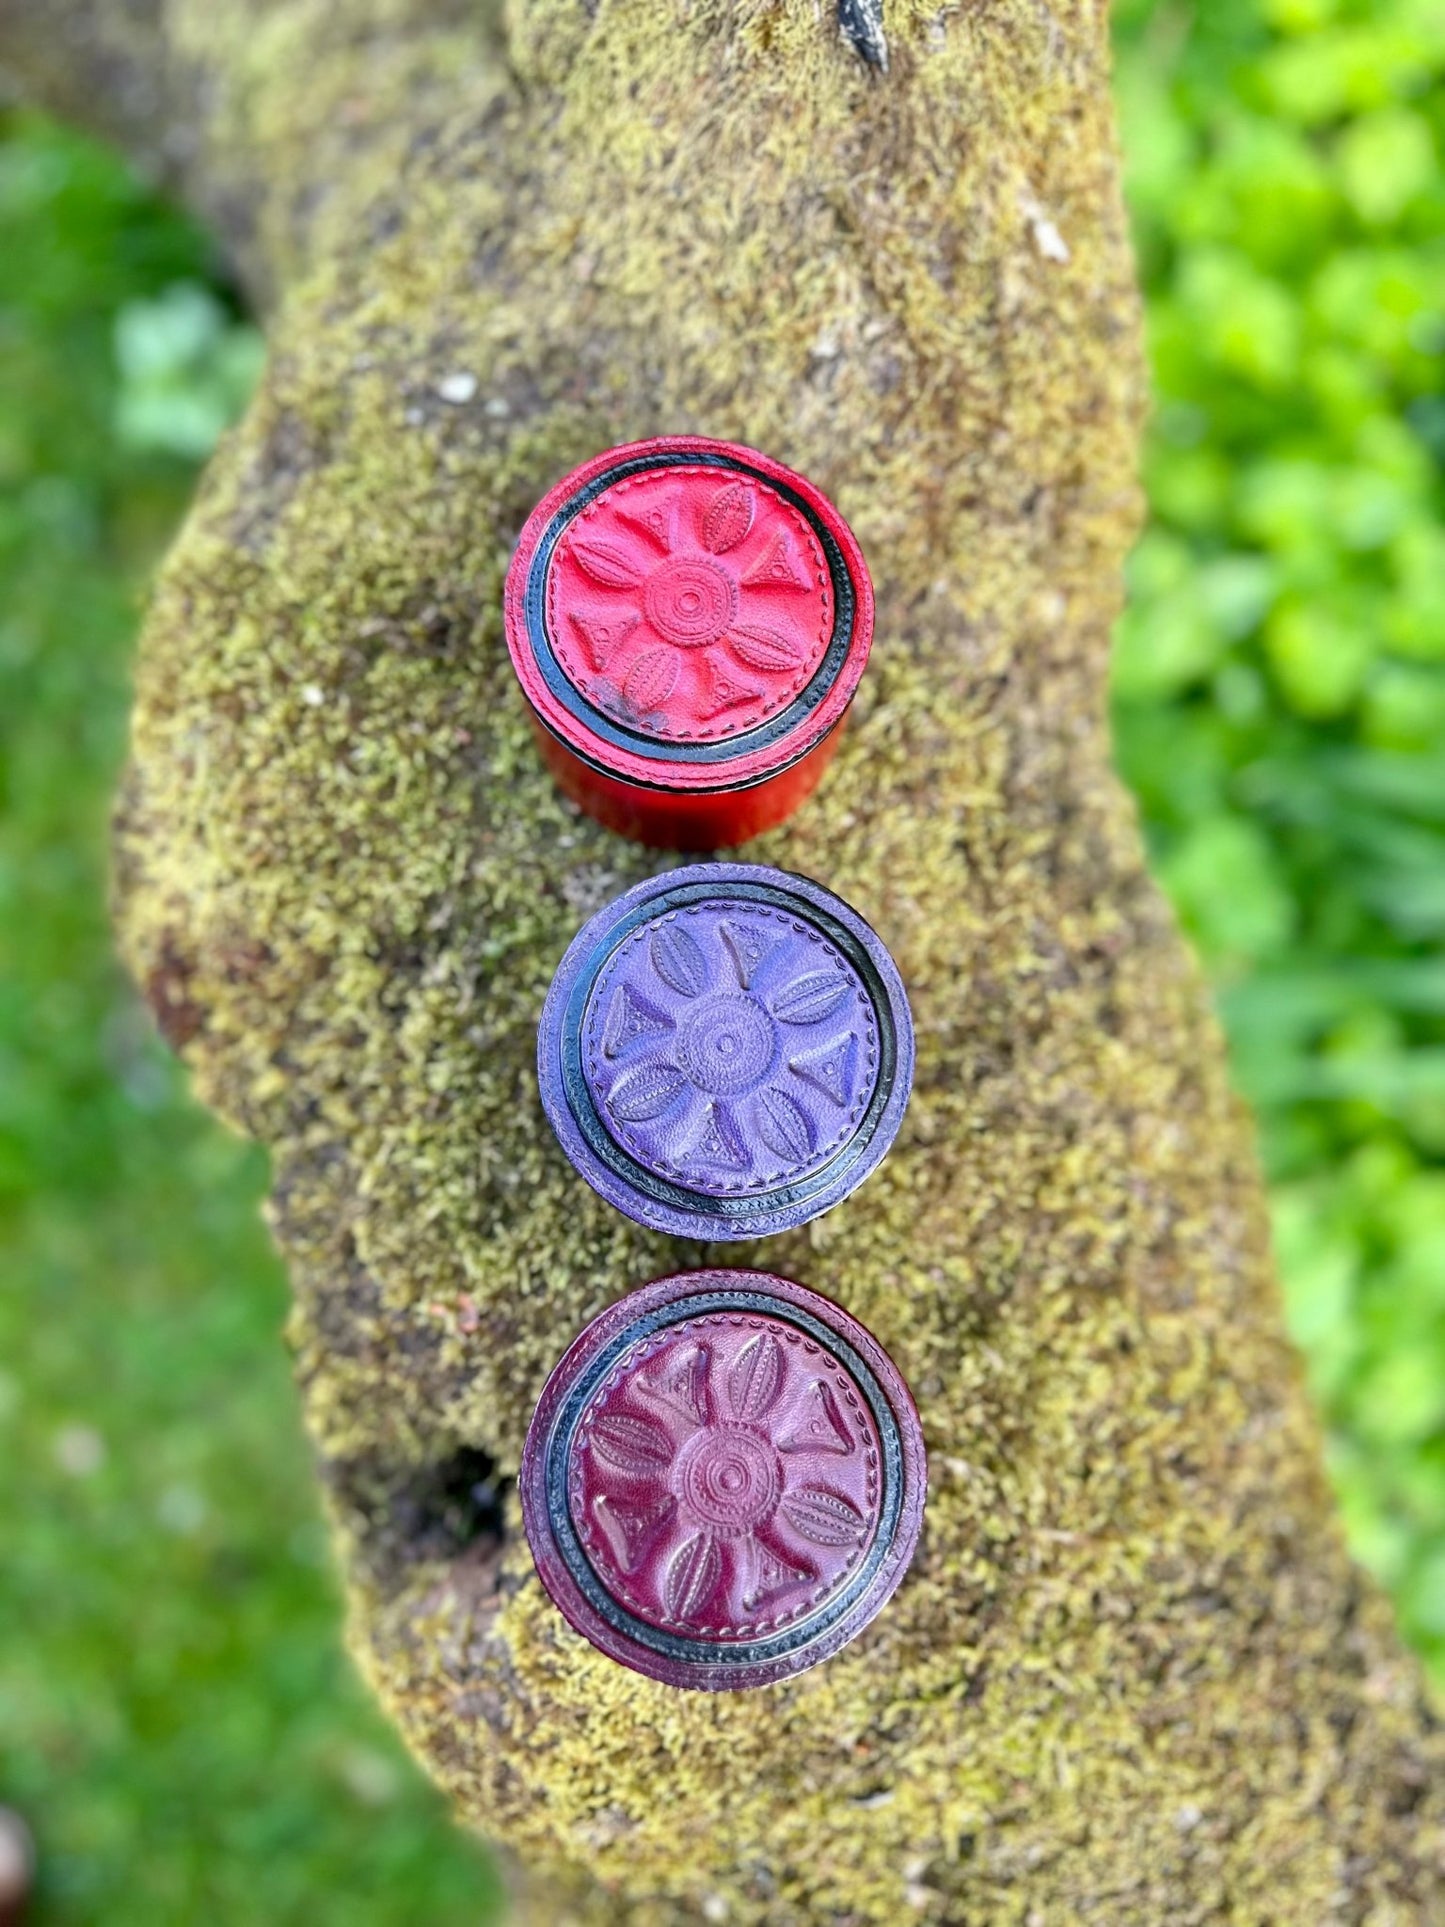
(723, 1481)
(688, 615)
(726, 1051)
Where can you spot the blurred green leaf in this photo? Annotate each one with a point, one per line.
(1320, 651)
(1385, 160)
(1227, 887)
(186, 371)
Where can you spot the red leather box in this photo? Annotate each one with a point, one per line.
(689, 620)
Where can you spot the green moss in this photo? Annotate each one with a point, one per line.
(1132, 1676)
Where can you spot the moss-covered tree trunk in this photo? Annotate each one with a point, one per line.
(1132, 1677)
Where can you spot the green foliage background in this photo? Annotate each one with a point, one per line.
(176, 1717)
(177, 1720)
(1280, 675)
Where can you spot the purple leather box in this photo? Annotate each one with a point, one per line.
(726, 1051)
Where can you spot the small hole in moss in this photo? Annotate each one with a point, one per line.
(419, 1515)
(454, 1504)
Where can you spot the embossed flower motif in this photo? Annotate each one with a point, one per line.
(698, 611)
(734, 1048)
(719, 1503)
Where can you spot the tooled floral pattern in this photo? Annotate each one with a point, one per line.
(725, 1479)
(689, 604)
(730, 1046)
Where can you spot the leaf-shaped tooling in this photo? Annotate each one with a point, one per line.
(764, 648)
(756, 1377)
(651, 680)
(606, 564)
(677, 960)
(728, 518)
(811, 998)
(826, 1518)
(692, 1576)
(783, 1125)
(640, 1095)
(631, 1444)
